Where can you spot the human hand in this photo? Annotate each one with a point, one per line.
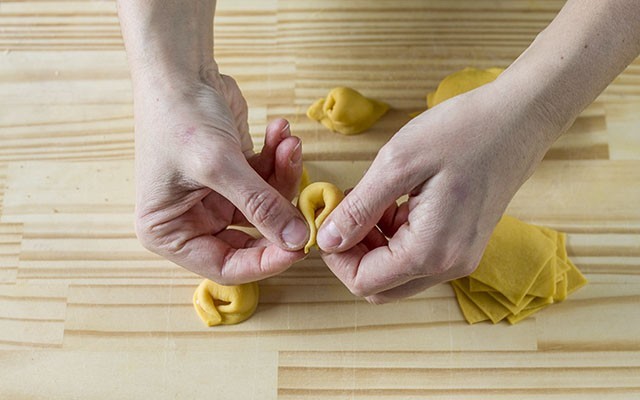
(196, 174)
(460, 163)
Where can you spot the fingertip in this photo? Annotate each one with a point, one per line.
(279, 128)
(289, 153)
(295, 234)
(329, 238)
(295, 158)
(288, 167)
(277, 260)
(353, 218)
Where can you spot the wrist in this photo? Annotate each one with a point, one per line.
(521, 104)
(573, 60)
(167, 42)
(523, 129)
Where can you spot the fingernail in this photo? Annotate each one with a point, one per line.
(295, 233)
(328, 237)
(284, 133)
(296, 154)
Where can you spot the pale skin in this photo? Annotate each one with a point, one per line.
(196, 172)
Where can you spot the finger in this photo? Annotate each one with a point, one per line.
(348, 265)
(414, 287)
(393, 217)
(276, 132)
(215, 259)
(288, 167)
(407, 290)
(374, 239)
(219, 210)
(361, 209)
(238, 105)
(272, 214)
(236, 238)
(367, 273)
(240, 240)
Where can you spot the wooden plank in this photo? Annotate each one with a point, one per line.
(10, 240)
(622, 123)
(75, 284)
(161, 374)
(457, 375)
(590, 196)
(305, 316)
(32, 316)
(81, 230)
(594, 318)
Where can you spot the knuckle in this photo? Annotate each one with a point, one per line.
(438, 262)
(437, 269)
(158, 238)
(144, 234)
(358, 290)
(432, 262)
(460, 189)
(416, 267)
(392, 159)
(389, 154)
(263, 207)
(224, 280)
(467, 269)
(355, 210)
(411, 261)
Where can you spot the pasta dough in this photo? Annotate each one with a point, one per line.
(315, 203)
(217, 304)
(305, 179)
(524, 269)
(461, 82)
(346, 111)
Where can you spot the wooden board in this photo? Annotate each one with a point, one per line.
(86, 312)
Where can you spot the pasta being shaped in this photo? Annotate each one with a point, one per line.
(315, 203)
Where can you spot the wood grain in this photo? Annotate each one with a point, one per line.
(87, 312)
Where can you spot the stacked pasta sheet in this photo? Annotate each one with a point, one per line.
(524, 269)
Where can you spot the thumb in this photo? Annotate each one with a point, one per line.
(266, 209)
(360, 210)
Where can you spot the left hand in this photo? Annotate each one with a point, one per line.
(197, 176)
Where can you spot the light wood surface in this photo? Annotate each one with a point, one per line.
(86, 312)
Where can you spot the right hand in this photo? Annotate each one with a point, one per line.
(196, 174)
(460, 164)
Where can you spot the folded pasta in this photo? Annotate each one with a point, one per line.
(346, 111)
(217, 304)
(316, 201)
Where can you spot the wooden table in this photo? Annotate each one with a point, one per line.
(86, 312)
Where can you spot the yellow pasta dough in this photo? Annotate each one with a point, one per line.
(524, 269)
(472, 313)
(513, 242)
(305, 179)
(461, 82)
(217, 304)
(315, 203)
(346, 111)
